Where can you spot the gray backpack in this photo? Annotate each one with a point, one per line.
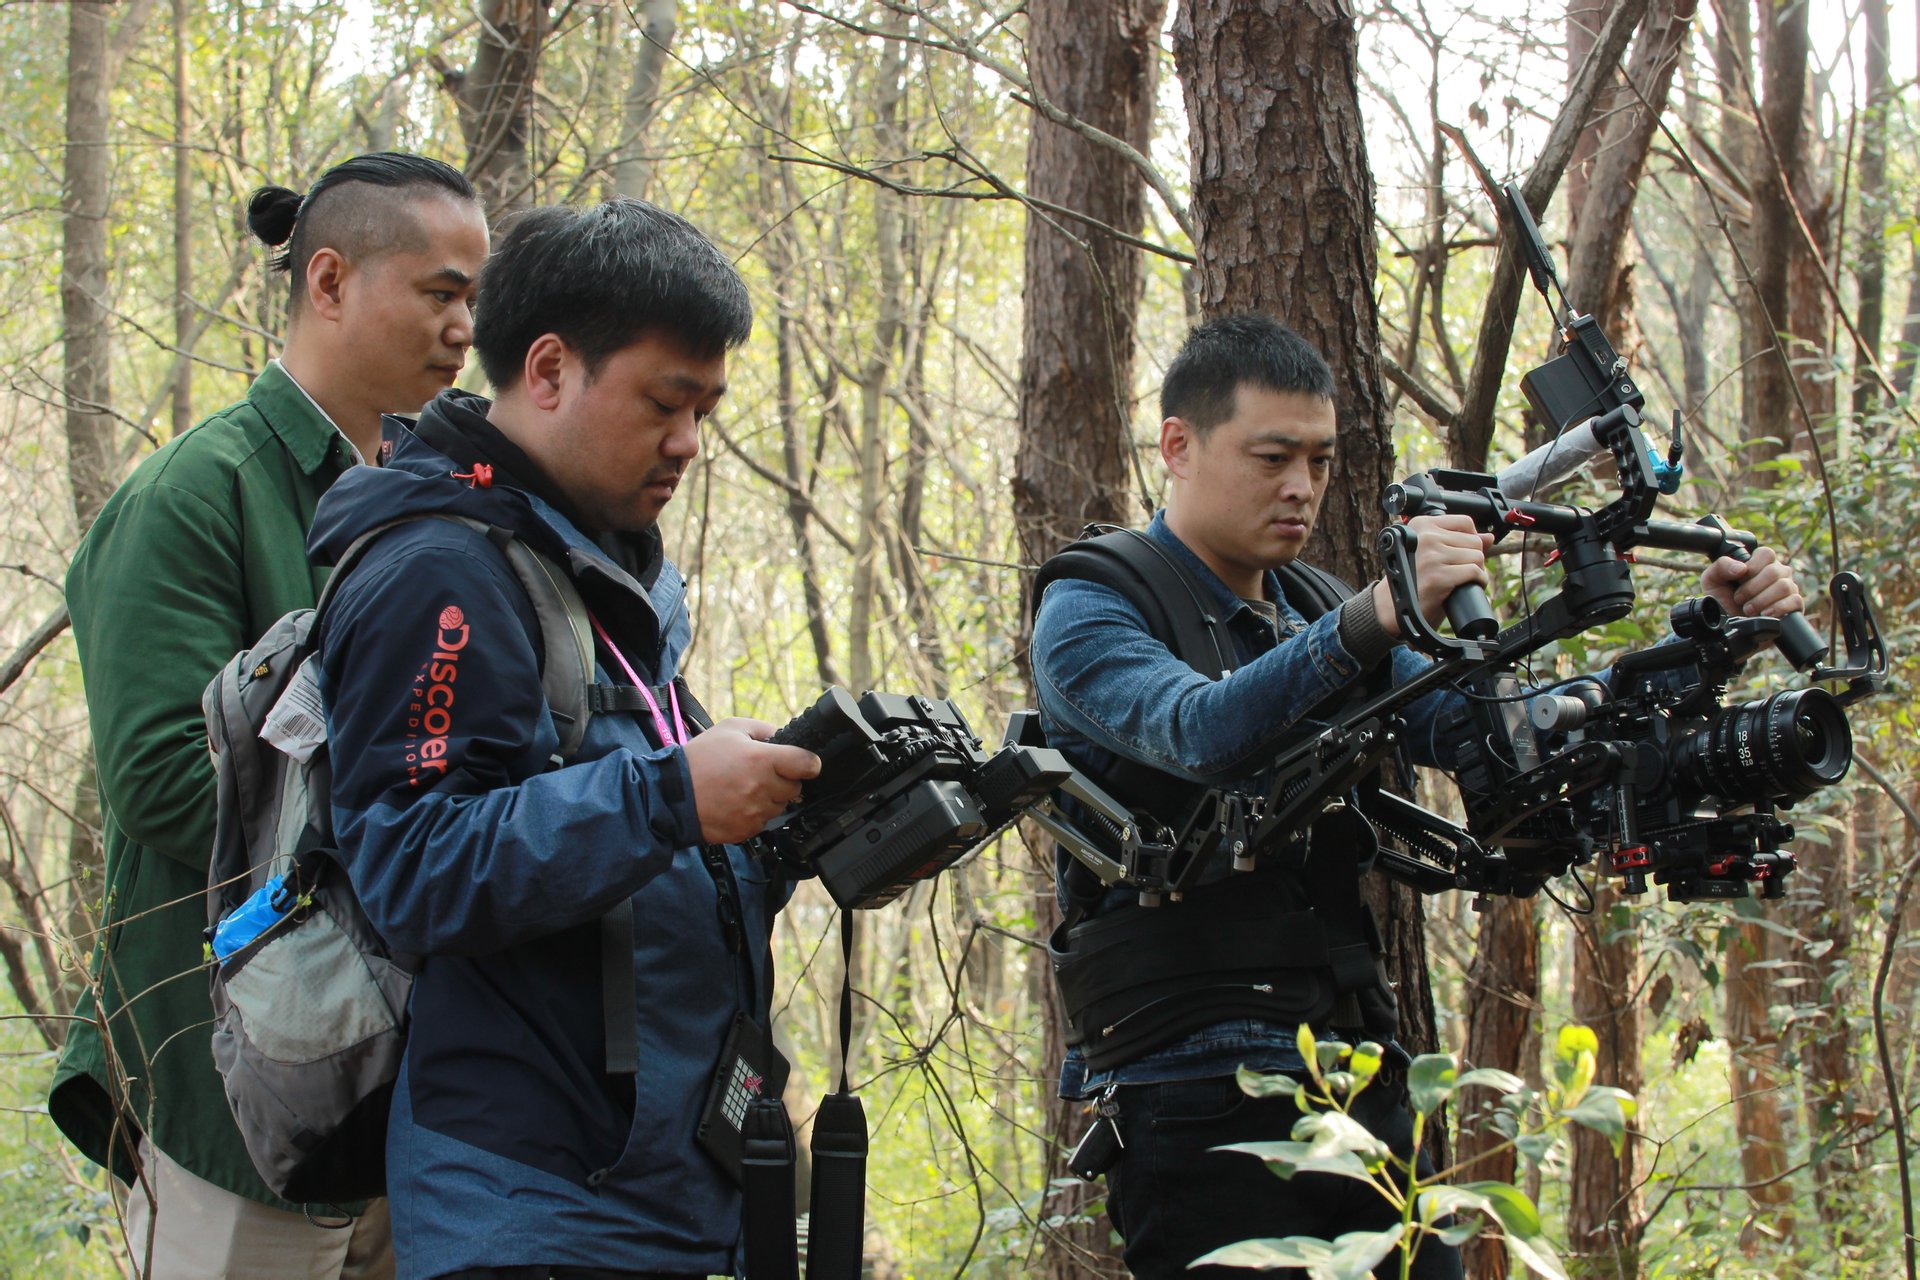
(310, 1005)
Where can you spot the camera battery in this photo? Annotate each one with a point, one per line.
(919, 833)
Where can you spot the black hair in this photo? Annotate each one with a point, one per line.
(352, 208)
(600, 278)
(1244, 347)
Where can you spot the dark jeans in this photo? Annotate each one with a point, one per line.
(1174, 1198)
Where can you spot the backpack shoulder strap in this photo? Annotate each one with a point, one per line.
(566, 636)
(1313, 591)
(1155, 583)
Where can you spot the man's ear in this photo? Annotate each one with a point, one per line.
(327, 273)
(544, 371)
(1177, 442)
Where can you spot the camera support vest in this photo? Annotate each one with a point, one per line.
(1288, 943)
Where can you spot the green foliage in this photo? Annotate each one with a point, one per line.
(1327, 1140)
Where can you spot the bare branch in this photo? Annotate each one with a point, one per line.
(1431, 402)
(43, 635)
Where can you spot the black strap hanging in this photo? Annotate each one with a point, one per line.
(837, 1220)
(772, 1248)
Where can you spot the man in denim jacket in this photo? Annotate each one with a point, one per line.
(1248, 440)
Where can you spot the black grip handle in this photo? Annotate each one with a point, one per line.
(1799, 641)
(834, 714)
(1471, 613)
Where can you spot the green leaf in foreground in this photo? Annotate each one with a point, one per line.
(1536, 1257)
(1518, 1216)
(1269, 1255)
(1289, 1158)
(1430, 1081)
(1605, 1109)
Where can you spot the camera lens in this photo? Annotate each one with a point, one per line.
(1780, 748)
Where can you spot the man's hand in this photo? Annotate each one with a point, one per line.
(741, 782)
(1448, 552)
(1762, 587)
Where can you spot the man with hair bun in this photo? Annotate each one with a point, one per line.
(197, 553)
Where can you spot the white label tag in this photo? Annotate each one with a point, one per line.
(297, 725)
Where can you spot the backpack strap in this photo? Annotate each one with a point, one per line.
(1151, 580)
(1311, 590)
(566, 636)
(566, 680)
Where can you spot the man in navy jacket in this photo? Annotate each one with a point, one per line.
(515, 1147)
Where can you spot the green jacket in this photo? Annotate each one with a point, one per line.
(197, 553)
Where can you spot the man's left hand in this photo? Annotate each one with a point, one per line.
(1760, 587)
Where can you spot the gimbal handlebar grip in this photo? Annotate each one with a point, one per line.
(1471, 613)
(1799, 641)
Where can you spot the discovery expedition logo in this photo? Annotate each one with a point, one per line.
(430, 714)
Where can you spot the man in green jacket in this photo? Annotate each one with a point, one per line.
(193, 557)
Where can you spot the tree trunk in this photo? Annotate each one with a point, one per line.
(1599, 275)
(1584, 18)
(495, 97)
(1074, 462)
(632, 167)
(1288, 228)
(1503, 1030)
(1871, 271)
(1758, 1079)
(1821, 905)
(778, 199)
(1772, 175)
(889, 140)
(87, 339)
(183, 336)
(1605, 1227)
(1603, 1218)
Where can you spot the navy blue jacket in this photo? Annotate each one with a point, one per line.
(509, 1143)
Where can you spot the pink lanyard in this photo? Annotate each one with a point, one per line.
(675, 737)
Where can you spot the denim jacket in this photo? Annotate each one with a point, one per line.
(1109, 688)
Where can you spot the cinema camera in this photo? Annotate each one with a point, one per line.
(906, 790)
(1645, 766)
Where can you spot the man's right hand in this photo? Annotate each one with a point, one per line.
(1448, 552)
(741, 782)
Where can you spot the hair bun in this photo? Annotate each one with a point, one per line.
(271, 212)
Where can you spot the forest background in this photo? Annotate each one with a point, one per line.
(975, 235)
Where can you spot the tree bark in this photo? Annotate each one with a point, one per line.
(1758, 1079)
(1283, 208)
(1074, 462)
(1821, 906)
(1599, 274)
(1503, 1030)
(495, 97)
(876, 370)
(1772, 175)
(632, 167)
(1871, 272)
(1603, 1219)
(87, 339)
(183, 335)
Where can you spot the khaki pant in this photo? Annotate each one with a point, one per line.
(202, 1232)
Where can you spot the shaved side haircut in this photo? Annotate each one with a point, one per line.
(360, 208)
